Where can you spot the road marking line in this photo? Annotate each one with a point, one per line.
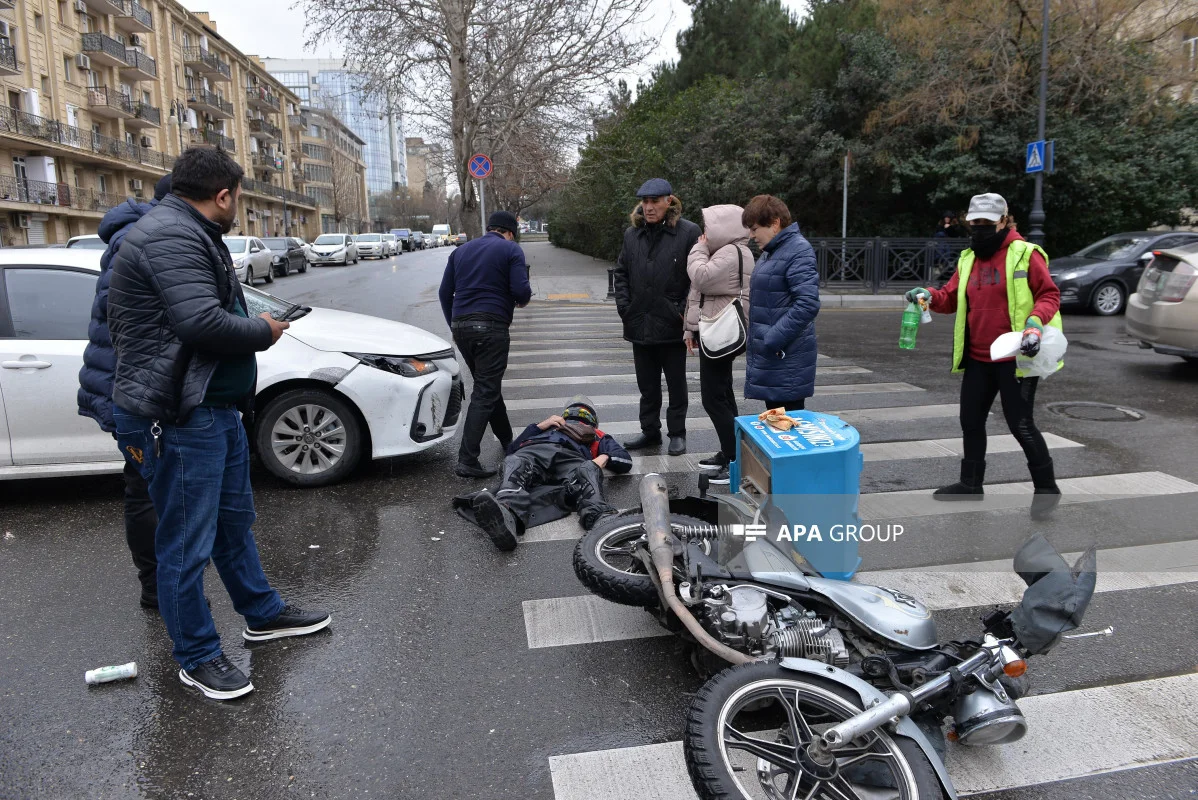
(852, 416)
(628, 377)
(634, 399)
(1126, 726)
(561, 621)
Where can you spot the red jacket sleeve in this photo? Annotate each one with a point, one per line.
(944, 301)
(1045, 293)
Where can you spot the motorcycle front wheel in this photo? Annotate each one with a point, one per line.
(747, 733)
(606, 562)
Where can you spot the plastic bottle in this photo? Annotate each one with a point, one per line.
(105, 674)
(910, 327)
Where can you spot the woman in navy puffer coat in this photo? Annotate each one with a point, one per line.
(783, 302)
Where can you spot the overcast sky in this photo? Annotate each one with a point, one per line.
(272, 28)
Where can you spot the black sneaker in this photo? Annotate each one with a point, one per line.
(720, 478)
(716, 463)
(495, 520)
(475, 470)
(217, 678)
(292, 621)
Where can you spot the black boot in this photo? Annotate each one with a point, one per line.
(1047, 496)
(643, 440)
(973, 473)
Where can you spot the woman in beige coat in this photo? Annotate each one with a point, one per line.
(719, 266)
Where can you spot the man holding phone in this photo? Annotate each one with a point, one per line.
(185, 371)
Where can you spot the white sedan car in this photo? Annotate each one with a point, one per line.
(336, 388)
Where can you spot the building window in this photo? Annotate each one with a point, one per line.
(174, 32)
(39, 22)
(46, 85)
(62, 11)
(66, 68)
(178, 81)
(102, 182)
(1190, 51)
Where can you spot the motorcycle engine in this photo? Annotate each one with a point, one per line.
(752, 621)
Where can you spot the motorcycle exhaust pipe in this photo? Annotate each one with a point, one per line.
(655, 505)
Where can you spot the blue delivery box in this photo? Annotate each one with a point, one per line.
(807, 480)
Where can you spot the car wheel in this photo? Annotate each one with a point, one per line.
(1108, 299)
(303, 267)
(249, 275)
(309, 437)
(270, 274)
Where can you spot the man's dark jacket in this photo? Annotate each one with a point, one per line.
(170, 311)
(651, 282)
(99, 359)
(486, 276)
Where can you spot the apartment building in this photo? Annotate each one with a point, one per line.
(426, 168)
(332, 170)
(101, 95)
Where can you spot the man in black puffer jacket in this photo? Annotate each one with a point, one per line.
(95, 393)
(185, 364)
(651, 285)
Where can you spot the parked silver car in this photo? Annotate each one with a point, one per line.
(251, 258)
(371, 245)
(334, 248)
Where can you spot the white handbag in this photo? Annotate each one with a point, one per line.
(724, 335)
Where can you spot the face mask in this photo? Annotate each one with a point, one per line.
(985, 239)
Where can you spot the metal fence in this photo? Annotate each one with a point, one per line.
(19, 123)
(25, 190)
(883, 264)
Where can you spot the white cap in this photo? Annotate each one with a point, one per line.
(986, 206)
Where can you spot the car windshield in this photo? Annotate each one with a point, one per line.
(88, 243)
(329, 238)
(259, 301)
(1114, 247)
(401, 232)
(275, 244)
(235, 245)
(368, 237)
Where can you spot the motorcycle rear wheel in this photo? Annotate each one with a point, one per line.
(605, 562)
(741, 725)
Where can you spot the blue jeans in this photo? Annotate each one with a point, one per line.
(200, 484)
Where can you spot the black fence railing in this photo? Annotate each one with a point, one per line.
(883, 264)
(205, 136)
(140, 61)
(19, 123)
(278, 192)
(134, 10)
(101, 43)
(8, 56)
(24, 190)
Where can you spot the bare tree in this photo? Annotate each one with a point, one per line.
(490, 66)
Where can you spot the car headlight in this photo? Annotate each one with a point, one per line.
(406, 366)
(1074, 274)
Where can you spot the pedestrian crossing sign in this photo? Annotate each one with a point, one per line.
(1035, 157)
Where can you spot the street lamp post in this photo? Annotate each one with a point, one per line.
(1037, 217)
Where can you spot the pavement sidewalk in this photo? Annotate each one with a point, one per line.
(565, 275)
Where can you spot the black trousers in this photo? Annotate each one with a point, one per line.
(719, 399)
(546, 464)
(983, 381)
(141, 520)
(484, 345)
(651, 361)
(789, 405)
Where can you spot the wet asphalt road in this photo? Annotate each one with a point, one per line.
(424, 686)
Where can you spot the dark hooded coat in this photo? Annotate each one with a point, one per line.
(651, 282)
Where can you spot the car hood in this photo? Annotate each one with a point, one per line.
(327, 248)
(1067, 263)
(347, 332)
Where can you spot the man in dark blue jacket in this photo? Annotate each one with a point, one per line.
(484, 281)
(95, 393)
(567, 452)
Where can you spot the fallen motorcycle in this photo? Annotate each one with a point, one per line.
(838, 690)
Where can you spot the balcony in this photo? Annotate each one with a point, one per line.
(8, 59)
(104, 50)
(277, 192)
(267, 161)
(83, 145)
(144, 116)
(105, 102)
(7, 5)
(210, 103)
(265, 131)
(205, 63)
(105, 6)
(260, 98)
(40, 193)
(134, 18)
(138, 66)
(204, 136)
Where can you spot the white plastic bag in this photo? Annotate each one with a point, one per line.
(1006, 345)
(1052, 349)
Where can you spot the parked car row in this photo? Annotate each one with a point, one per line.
(419, 240)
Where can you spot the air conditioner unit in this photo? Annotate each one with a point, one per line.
(135, 185)
(22, 220)
(135, 40)
(83, 61)
(81, 6)
(145, 142)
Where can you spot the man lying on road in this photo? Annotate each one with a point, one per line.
(552, 468)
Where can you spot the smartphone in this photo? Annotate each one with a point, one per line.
(283, 316)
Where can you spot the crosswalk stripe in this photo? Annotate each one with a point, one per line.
(587, 619)
(1126, 726)
(628, 377)
(608, 353)
(634, 399)
(852, 416)
(873, 451)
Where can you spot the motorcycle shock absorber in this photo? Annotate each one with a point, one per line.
(706, 531)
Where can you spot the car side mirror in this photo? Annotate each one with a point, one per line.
(1146, 257)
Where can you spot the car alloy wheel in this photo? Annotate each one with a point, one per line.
(1108, 299)
(309, 437)
(249, 274)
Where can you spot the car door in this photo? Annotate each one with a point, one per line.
(261, 256)
(43, 330)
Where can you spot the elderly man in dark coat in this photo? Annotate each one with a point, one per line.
(651, 285)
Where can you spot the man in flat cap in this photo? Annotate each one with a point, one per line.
(651, 286)
(484, 281)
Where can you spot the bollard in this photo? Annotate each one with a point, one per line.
(611, 283)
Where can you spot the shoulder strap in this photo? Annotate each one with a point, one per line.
(740, 267)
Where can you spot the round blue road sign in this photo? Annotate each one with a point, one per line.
(480, 166)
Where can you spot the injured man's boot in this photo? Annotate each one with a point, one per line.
(494, 518)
